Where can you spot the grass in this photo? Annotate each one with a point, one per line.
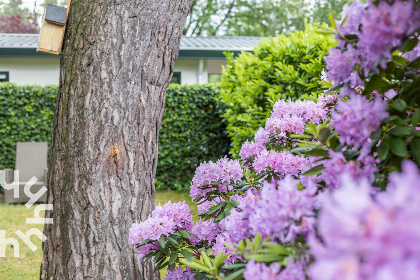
(26, 267)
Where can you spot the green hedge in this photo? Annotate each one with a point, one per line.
(26, 114)
(287, 66)
(192, 131)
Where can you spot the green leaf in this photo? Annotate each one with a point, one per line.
(187, 254)
(173, 241)
(162, 242)
(383, 149)
(415, 149)
(409, 44)
(325, 31)
(415, 118)
(147, 241)
(184, 234)
(399, 60)
(399, 105)
(400, 131)
(265, 258)
(194, 265)
(324, 134)
(279, 249)
(234, 266)
(206, 258)
(318, 152)
(334, 26)
(398, 147)
(257, 241)
(314, 170)
(235, 275)
(344, 21)
(173, 257)
(219, 259)
(216, 207)
(202, 276)
(375, 83)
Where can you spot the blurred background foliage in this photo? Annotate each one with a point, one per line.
(283, 67)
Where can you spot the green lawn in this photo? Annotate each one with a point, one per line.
(26, 267)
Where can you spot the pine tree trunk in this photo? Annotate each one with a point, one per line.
(117, 61)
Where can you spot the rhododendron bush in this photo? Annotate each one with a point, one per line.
(327, 189)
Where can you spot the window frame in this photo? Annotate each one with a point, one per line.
(178, 76)
(7, 76)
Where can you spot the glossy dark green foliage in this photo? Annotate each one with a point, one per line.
(192, 131)
(284, 67)
(26, 114)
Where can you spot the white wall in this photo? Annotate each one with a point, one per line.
(214, 66)
(46, 70)
(189, 71)
(30, 70)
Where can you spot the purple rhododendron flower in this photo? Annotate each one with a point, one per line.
(290, 117)
(178, 212)
(237, 223)
(351, 14)
(284, 211)
(364, 168)
(413, 54)
(260, 271)
(250, 149)
(225, 170)
(218, 246)
(357, 118)
(367, 235)
(178, 274)
(261, 136)
(383, 26)
(342, 66)
(206, 231)
(281, 162)
(163, 221)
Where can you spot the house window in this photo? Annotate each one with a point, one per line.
(4, 76)
(176, 78)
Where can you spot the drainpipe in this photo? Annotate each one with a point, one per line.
(200, 71)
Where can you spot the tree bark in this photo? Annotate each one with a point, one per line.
(116, 64)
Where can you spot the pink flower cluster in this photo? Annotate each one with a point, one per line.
(178, 274)
(281, 162)
(355, 119)
(290, 117)
(224, 170)
(206, 231)
(370, 236)
(294, 271)
(287, 117)
(364, 168)
(163, 221)
(284, 211)
(379, 28)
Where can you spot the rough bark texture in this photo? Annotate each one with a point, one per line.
(117, 61)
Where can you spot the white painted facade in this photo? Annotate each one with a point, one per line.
(46, 70)
(31, 70)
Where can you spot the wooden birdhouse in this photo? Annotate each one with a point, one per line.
(53, 28)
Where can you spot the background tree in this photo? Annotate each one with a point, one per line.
(116, 65)
(13, 7)
(14, 18)
(16, 24)
(257, 17)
